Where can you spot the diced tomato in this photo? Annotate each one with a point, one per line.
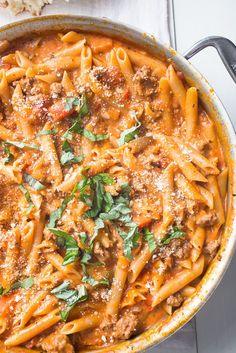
(148, 303)
(126, 95)
(5, 302)
(59, 112)
(142, 221)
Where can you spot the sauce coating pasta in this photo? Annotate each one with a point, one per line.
(113, 185)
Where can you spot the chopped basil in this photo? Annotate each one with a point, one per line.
(93, 137)
(26, 283)
(20, 144)
(47, 132)
(130, 239)
(35, 184)
(67, 242)
(131, 133)
(83, 238)
(149, 237)
(84, 110)
(56, 215)
(82, 102)
(99, 224)
(27, 197)
(9, 157)
(70, 296)
(174, 233)
(93, 282)
(71, 102)
(77, 128)
(100, 199)
(68, 156)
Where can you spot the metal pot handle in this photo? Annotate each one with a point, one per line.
(226, 49)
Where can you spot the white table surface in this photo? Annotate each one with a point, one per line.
(216, 322)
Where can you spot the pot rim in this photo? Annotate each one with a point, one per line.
(213, 105)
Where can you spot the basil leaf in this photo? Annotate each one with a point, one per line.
(84, 106)
(27, 197)
(131, 133)
(20, 144)
(93, 137)
(84, 110)
(67, 156)
(66, 241)
(104, 178)
(86, 258)
(47, 132)
(149, 237)
(83, 238)
(174, 233)
(101, 200)
(99, 224)
(77, 128)
(130, 240)
(71, 102)
(70, 296)
(56, 215)
(9, 157)
(93, 282)
(27, 283)
(35, 184)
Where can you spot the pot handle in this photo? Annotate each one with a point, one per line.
(226, 49)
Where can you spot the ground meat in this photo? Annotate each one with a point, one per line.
(56, 89)
(39, 103)
(102, 254)
(206, 219)
(145, 84)
(56, 343)
(178, 248)
(212, 247)
(126, 326)
(175, 300)
(108, 77)
(29, 86)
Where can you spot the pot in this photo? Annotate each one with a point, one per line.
(225, 130)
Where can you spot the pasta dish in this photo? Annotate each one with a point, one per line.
(113, 185)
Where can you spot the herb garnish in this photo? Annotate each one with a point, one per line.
(27, 197)
(174, 233)
(93, 282)
(56, 214)
(149, 237)
(129, 134)
(47, 132)
(76, 126)
(70, 296)
(67, 242)
(68, 156)
(71, 102)
(35, 184)
(9, 157)
(26, 283)
(20, 144)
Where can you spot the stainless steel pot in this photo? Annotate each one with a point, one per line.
(215, 109)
